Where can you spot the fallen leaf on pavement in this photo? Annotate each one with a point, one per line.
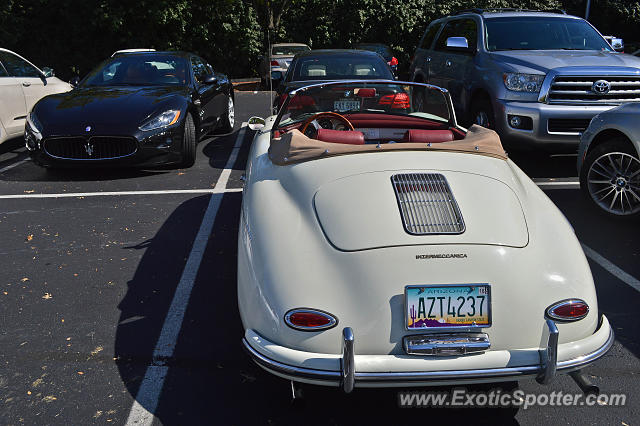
(47, 296)
(25, 279)
(29, 237)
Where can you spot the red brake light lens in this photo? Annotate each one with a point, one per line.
(398, 100)
(568, 310)
(393, 61)
(275, 64)
(309, 320)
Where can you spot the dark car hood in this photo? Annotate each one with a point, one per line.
(110, 110)
(546, 60)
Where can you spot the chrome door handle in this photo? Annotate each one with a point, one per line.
(448, 63)
(26, 84)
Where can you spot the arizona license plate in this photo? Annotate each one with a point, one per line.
(459, 305)
(346, 105)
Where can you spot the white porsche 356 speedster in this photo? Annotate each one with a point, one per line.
(380, 244)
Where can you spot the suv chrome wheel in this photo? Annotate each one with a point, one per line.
(613, 181)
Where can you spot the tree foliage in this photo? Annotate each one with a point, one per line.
(73, 36)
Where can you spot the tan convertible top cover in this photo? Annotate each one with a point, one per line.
(294, 147)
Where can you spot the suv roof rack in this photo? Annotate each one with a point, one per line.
(507, 9)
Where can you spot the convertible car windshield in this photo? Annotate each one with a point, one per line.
(139, 70)
(362, 98)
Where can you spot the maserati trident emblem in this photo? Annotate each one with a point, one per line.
(601, 87)
(347, 93)
(87, 129)
(89, 148)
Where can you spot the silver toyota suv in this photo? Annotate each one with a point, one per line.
(537, 78)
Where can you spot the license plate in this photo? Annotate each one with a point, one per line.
(459, 305)
(346, 105)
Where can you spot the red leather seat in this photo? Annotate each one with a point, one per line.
(350, 137)
(428, 136)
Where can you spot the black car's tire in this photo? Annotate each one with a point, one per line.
(228, 121)
(481, 113)
(606, 178)
(189, 142)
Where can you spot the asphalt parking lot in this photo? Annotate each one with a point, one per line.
(91, 261)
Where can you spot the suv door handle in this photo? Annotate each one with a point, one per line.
(26, 84)
(448, 62)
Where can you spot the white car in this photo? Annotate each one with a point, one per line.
(381, 246)
(22, 84)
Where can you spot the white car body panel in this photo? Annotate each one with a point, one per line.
(308, 238)
(18, 95)
(12, 105)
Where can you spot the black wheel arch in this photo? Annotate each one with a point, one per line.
(607, 135)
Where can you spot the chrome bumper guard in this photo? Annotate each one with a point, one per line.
(449, 344)
(348, 376)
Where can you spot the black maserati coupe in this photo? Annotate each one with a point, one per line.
(142, 109)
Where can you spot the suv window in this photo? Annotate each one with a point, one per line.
(429, 35)
(542, 33)
(466, 28)
(17, 67)
(200, 70)
(3, 73)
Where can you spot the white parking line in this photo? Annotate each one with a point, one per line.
(557, 183)
(146, 402)
(16, 164)
(116, 193)
(224, 176)
(630, 280)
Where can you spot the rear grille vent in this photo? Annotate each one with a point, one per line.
(426, 204)
(95, 148)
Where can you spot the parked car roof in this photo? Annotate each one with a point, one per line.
(326, 52)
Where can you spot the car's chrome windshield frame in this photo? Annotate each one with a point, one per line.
(452, 114)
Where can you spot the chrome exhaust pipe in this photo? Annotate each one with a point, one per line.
(584, 383)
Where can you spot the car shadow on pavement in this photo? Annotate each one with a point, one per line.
(210, 379)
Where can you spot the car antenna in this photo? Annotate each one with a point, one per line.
(269, 69)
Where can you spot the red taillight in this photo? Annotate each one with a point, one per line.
(300, 102)
(568, 310)
(309, 320)
(398, 100)
(275, 64)
(393, 62)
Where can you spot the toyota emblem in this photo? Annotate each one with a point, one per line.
(601, 87)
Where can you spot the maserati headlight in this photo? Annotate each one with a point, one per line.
(165, 119)
(523, 82)
(34, 124)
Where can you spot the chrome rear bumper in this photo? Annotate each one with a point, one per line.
(348, 377)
